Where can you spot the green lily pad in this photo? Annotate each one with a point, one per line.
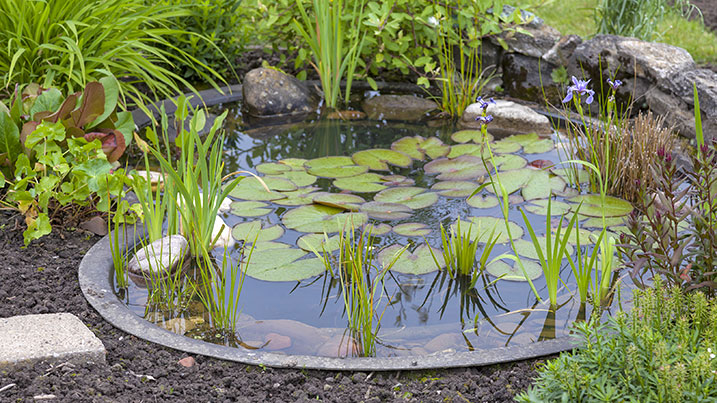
(376, 229)
(538, 187)
(475, 150)
(250, 209)
(298, 197)
(251, 189)
(505, 147)
(364, 183)
(379, 158)
(264, 245)
(454, 188)
(514, 180)
(465, 167)
(413, 197)
(319, 243)
(539, 147)
(584, 234)
(412, 229)
(506, 162)
(540, 207)
(610, 222)
(475, 136)
(298, 178)
(569, 174)
(386, 211)
(247, 232)
(482, 201)
(526, 248)
(419, 262)
(397, 180)
(334, 167)
(592, 206)
(296, 164)
(523, 139)
(483, 226)
(504, 271)
(282, 265)
(434, 147)
(317, 218)
(344, 201)
(418, 147)
(272, 168)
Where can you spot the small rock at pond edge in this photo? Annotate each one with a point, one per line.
(187, 362)
(277, 341)
(160, 256)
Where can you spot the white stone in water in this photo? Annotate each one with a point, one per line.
(226, 205)
(508, 116)
(225, 240)
(161, 256)
(154, 177)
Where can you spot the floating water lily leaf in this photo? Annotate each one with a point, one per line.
(584, 234)
(610, 222)
(264, 245)
(296, 164)
(475, 136)
(317, 218)
(413, 197)
(281, 265)
(434, 147)
(334, 167)
(569, 175)
(418, 147)
(538, 187)
(247, 232)
(540, 207)
(379, 158)
(397, 180)
(376, 229)
(364, 183)
(250, 208)
(318, 243)
(462, 168)
(482, 201)
(454, 188)
(344, 201)
(539, 147)
(298, 178)
(252, 189)
(412, 229)
(272, 168)
(592, 206)
(507, 162)
(504, 271)
(386, 211)
(526, 248)
(475, 150)
(523, 139)
(514, 180)
(483, 226)
(419, 262)
(505, 147)
(298, 197)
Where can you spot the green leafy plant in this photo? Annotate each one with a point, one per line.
(636, 18)
(335, 48)
(460, 251)
(663, 350)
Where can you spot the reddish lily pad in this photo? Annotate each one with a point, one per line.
(413, 197)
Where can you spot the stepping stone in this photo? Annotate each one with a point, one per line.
(56, 337)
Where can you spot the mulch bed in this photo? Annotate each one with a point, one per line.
(42, 278)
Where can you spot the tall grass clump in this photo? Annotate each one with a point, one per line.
(70, 43)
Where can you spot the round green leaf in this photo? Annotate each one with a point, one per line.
(298, 197)
(539, 147)
(506, 162)
(252, 189)
(344, 201)
(282, 265)
(418, 147)
(272, 168)
(458, 150)
(298, 178)
(334, 167)
(363, 183)
(397, 180)
(507, 272)
(483, 226)
(318, 243)
(296, 164)
(386, 211)
(317, 218)
(610, 222)
(569, 174)
(462, 168)
(264, 245)
(376, 229)
(250, 209)
(379, 158)
(454, 188)
(412, 229)
(482, 201)
(592, 206)
(475, 136)
(419, 262)
(413, 197)
(526, 248)
(247, 232)
(434, 147)
(513, 180)
(504, 147)
(540, 207)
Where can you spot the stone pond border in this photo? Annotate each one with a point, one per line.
(95, 278)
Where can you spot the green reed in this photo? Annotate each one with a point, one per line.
(169, 289)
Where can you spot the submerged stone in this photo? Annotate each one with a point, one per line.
(159, 257)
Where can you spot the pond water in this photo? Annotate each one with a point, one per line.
(289, 304)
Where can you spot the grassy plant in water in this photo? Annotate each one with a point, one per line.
(169, 290)
(336, 49)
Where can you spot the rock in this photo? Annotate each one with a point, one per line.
(706, 81)
(95, 225)
(561, 51)
(444, 341)
(269, 92)
(187, 362)
(178, 325)
(226, 205)
(225, 240)
(304, 338)
(398, 107)
(540, 40)
(161, 256)
(528, 78)
(276, 341)
(339, 346)
(508, 117)
(674, 110)
(657, 61)
(346, 115)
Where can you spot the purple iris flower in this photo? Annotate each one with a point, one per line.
(614, 84)
(484, 104)
(484, 120)
(581, 87)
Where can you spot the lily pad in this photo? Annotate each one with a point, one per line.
(610, 222)
(507, 162)
(247, 232)
(317, 218)
(483, 226)
(584, 234)
(282, 265)
(250, 208)
(413, 197)
(334, 167)
(344, 201)
(462, 168)
(412, 229)
(592, 206)
(540, 207)
(386, 211)
(252, 189)
(376, 229)
(526, 248)
(475, 150)
(539, 147)
(505, 147)
(397, 180)
(434, 147)
(264, 245)
(298, 178)
(418, 147)
(296, 164)
(318, 243)
(364, 183)
(538, 187)
(475, 136)
(504, 271)
(419, 262)
(379, 158)
(482, 201)
(514, 180)
(298, 197)
(569, 174)
(454, 188)
(272, 168)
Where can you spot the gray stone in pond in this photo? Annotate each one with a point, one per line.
(160, 256)
(508, 117)
(269, 92)
(398, 107)
(538, 41)
(51, 338)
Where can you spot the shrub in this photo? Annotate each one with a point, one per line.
(663, 350)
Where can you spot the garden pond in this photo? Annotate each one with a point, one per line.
(405, 180)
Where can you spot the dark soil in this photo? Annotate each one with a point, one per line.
(42, 278)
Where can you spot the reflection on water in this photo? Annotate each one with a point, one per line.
(424, 314)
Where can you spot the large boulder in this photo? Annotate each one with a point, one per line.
(398, 107)
(508, 118)
(561, 51)
(269, 92)
(538, 40)
(528, 78)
